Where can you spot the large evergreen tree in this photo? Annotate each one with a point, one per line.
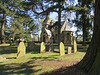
(83, 19)
(20, 22)
(7, 8)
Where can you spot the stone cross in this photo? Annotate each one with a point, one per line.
(42, 47)
(75, 45)
(62, 49)
(21, 49)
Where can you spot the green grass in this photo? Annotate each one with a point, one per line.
(33, 63)
(76, 56)
(4, 44)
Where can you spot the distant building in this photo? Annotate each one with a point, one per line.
(50, 31)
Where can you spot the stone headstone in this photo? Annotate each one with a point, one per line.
(21, 50)
(75, 45)
(42, 47)
(31, 45)
(62, 49)
(69, 50)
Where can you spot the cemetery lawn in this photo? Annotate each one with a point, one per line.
(34, 63)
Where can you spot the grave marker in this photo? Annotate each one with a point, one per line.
(75, 45)
(31, 45)
(21, 50)
(62, 49)
(42, 47)
(69, 50)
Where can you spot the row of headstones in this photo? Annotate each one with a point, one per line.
(61, 47)
(22, 49)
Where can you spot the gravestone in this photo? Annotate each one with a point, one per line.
(75, 45)
(31, 45)
(69, 50)
(42, 47)
(21, 50)
(62, 49)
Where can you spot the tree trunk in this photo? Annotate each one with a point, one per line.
(3, 28)
(84, 34)
(84, 29)
(59, 24)
(14, 35)
(91, 61)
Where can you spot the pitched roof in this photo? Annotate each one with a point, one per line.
(64, 26)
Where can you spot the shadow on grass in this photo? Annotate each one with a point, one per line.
(21, 68)
(28, 69)
(82, 50)
(59, 52)
(46, 58)
(8, 49)
(13, 49)
(72, 70)
(11, 58)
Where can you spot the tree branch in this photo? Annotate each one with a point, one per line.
(45, 11)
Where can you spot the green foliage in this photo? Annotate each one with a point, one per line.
(19, 22)
(84, 19)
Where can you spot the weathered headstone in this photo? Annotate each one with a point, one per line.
(62, 49)
(31, 45)
(21, 50)
(69, 50)
(42, 47)
(75, 45)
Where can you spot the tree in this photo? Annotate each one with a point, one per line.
(91, 62)
(20, 22)
(3, 22)
(84, 19)
(22, 27)
(7, 8)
